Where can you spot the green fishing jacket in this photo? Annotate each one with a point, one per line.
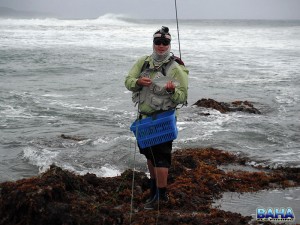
(143, 95)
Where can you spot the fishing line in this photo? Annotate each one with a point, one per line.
(156, 178)
(133, 173)
(134, 161)
(133, 179)
(177, 29)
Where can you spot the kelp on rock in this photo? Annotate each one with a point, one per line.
(62, 197)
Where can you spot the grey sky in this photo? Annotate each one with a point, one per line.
(164, 9)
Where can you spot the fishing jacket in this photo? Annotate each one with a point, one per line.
(155, 98)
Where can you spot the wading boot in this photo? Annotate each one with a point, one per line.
(160, 197)
(153, 191)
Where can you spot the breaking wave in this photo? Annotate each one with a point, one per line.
(107, 19)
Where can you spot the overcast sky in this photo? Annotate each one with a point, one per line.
(164, 9)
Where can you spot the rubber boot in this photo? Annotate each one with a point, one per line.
(160, 197)
(152, 190)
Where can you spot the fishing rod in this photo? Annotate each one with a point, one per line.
(177, 28)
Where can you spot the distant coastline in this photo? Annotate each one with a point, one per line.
(9, 13)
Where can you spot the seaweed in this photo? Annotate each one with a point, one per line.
(61, 197)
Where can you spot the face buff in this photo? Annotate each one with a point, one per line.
(159, 59)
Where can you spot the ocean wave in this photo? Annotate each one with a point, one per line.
(107, 19)
(114, 19)
(9, 111)
(106, 140)
(104, 171)
(42, 158)
(28, 22)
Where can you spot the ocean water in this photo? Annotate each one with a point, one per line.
(67, 77)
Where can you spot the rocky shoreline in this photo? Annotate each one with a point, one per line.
(61, 197)
(197, 178)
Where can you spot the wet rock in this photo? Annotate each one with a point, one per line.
(243, 106)
(223, 107)
(210, 103)
(63, 198)
(72, 137)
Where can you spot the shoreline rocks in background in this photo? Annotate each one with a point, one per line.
(62, 197)
(223, 107)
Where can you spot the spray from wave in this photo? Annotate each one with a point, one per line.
(107, 19)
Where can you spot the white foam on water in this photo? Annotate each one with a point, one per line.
(54, 95)
(104, 171)
(77, 106)
(42, 158)
(102, 140)
(51, 32)
(107, 19)
(10, 111)
(112, 19)
(106, 140)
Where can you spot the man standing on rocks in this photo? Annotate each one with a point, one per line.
(154, 98)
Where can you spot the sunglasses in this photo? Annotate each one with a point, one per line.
(165, 42)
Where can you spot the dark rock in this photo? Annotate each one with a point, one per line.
(210, 103)
(72, 137)
(241, 106)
